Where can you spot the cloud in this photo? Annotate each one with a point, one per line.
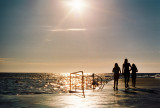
(66, 30)
(4, 59)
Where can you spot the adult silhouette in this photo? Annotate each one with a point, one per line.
(126, 72)
(134, 70)
(116, 70)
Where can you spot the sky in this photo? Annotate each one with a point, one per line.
(55, 36)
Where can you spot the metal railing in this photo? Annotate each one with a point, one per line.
(80, 74)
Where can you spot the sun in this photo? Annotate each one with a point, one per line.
(77, 5)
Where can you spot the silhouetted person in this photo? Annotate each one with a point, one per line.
(117, 71)
(134, 70)
(126, 72)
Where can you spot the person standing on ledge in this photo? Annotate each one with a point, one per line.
(116, 71)
(126, 72)
(134, 70)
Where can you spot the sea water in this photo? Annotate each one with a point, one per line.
(43, 83)
(37, 83)
(48, 90)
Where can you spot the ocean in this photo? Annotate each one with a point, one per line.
(51, 90)
(42, 83)
(39, 83)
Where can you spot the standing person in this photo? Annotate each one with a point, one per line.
(126, 72)
(116, 71)
(134, 70)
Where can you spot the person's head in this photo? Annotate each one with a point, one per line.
(116, 65)
(126, 61)
(133, 65)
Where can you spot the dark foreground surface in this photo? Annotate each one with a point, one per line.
(146, 94)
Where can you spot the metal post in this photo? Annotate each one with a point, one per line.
(93, 81)
(86, 82)
(75, 81)
(70, 81)
(83, 84)
(101, 81)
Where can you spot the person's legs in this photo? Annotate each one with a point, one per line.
(128, 79)
(132, 81)
(117, 84)
(114, 83)
(125, 81)
(135, 82)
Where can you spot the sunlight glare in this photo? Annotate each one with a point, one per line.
(77, 5)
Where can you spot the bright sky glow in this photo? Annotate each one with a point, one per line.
(71, 29)
(77, 5)
(79, 35)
